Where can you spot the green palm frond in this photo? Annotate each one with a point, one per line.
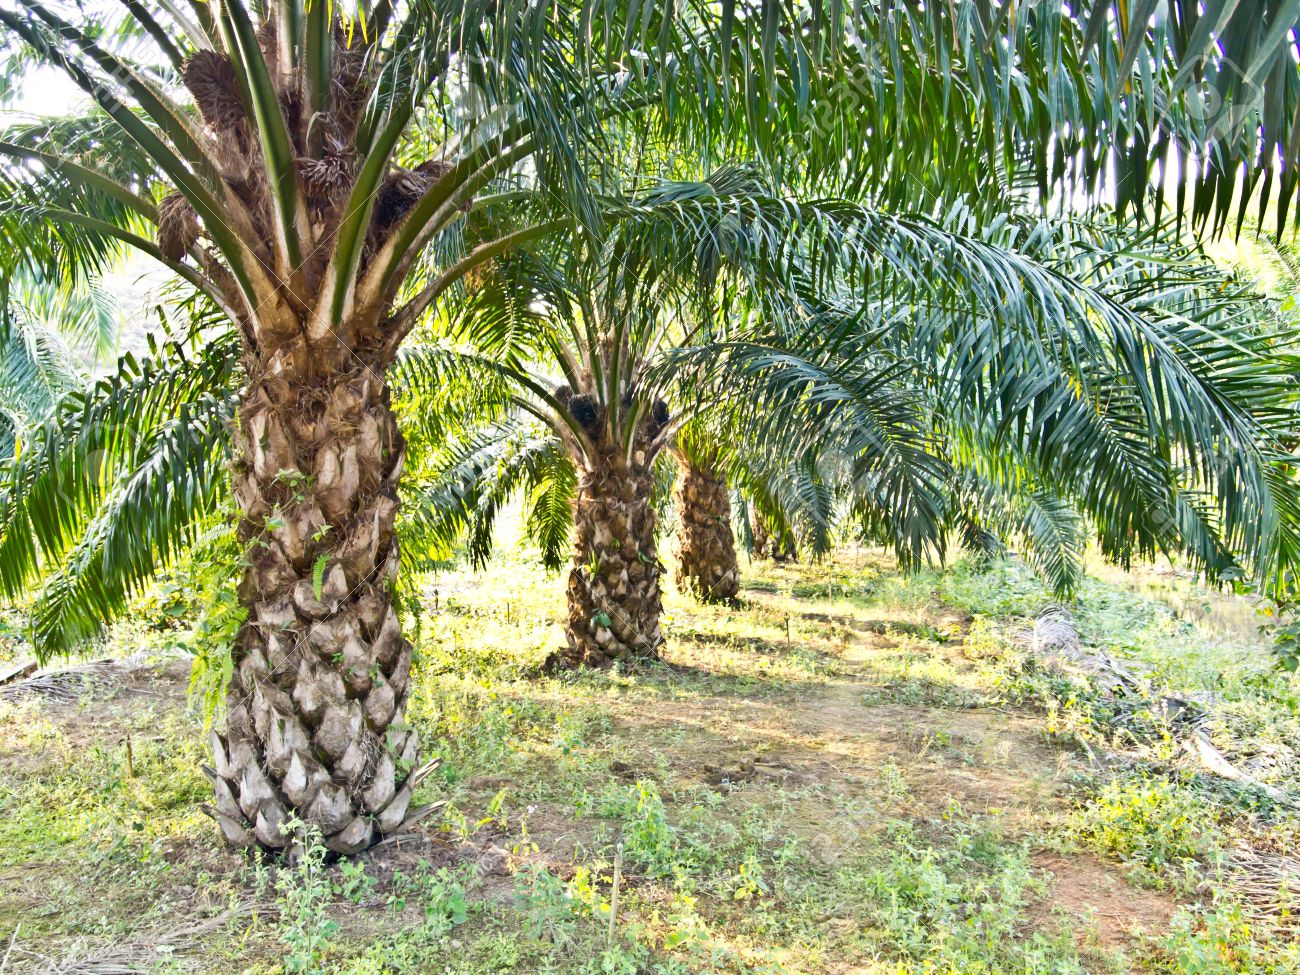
(819, 420)
(145, 523)
(1043, 525)
(38, 368)
(111, 485)
(1061, 95)
(460, 494)
(572, 135)
(550, 504)
(1112, 355)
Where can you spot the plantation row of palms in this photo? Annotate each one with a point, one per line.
(460, 250)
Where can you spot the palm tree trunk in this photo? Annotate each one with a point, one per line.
(779, 547)
(706, 548)
(614, 595)
(762, 540)
(321, 669)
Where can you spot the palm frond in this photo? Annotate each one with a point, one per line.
(145, 523)
(104, 453)
(460, 496)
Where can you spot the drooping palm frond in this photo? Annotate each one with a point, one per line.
(440, 390)
(1283, 256)
(1063, 94)
(459, 496)
(113, 484)
(810, 426)
(472, 452)
(143, 524)
(1198, 393)
(1041, 524)
(529, 108)
(1147, 381)
(1112, 352)
(68, 194)
(552, 493)
(821, 495)
(127, 475)
(53, 333)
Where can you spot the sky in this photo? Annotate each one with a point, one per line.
(46, 91)
(137, 285)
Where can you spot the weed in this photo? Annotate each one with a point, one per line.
(648, 840)
(546, 904)
(1221, 941)
(355, 884)
(304, 895)
(558, 770)
(1151, 822)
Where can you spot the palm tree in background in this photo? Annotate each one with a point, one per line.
(1146, 408)
(706, 545)
(324, 181)
(1164, 429)
(51, 340)
(571, 331)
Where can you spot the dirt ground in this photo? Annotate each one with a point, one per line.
(829, 749)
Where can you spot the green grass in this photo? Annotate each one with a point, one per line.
(850, 767)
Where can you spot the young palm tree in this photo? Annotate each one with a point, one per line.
(292, 195)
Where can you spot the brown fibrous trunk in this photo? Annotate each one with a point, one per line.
(614, 593)
(321, 669)
(315, 708)
(706, 547)
(778, 548)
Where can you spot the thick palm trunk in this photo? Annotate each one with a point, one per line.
(706, 548)
(614, 595)
(321, 672)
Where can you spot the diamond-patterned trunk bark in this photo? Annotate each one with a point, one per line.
(769, 546)
(614, 595)
(762, 540)
(321, 673)
(706, 547)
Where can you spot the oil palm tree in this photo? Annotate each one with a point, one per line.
(1162, 432)
(570, 331)
(1146, 400)
(286, 206)
(706, 545)
(324, 180)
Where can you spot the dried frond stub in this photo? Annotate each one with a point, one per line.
(354, 70)
(436, 169)
(350, 51)
(397, 194)
(178, 226)
(268, 39)
(210, 77)
(660, 413)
